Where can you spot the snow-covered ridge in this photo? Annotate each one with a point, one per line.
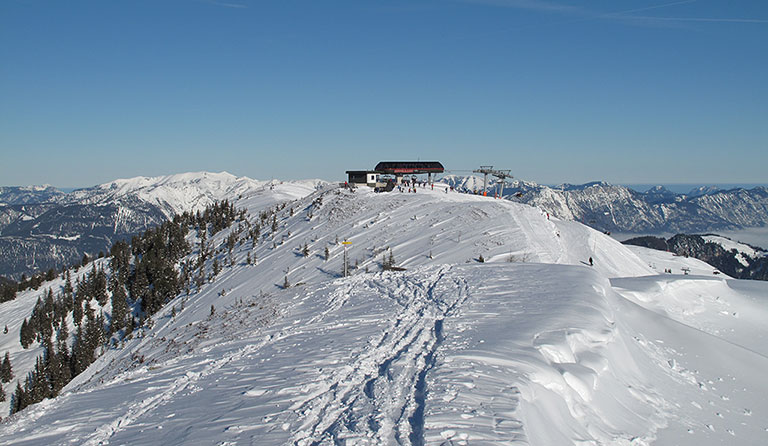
(178, 193)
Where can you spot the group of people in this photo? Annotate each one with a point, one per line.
(409, 185)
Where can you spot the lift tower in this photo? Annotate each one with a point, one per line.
(485, 170)
(502, 175)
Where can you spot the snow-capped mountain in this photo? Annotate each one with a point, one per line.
(41, 229)
(529, 346)
(620, 209)
(703, 190)
(10, 195)
(174, 194)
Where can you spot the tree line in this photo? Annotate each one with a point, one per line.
(141, 277)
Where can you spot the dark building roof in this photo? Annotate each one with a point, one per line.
(409, 167)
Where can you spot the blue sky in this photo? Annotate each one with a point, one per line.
(555, 90)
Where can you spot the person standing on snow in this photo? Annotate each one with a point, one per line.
(590, 262)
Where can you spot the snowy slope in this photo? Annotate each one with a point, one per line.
(15, 311)
(531, 347)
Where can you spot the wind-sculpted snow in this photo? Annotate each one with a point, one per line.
(533, 346)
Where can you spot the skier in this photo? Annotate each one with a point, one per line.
(590, 261)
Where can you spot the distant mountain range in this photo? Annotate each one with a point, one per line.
(42, 227)
(615, 208)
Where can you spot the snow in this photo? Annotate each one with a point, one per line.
(61, 237)
(660, 261)
(740, 248)
(533, 346)
(753, 236)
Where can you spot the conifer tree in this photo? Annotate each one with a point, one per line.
(37, 387)
(119, 305)
(77, 313)
(68, 291)
(79, 359)
(26, 334)
(6, 371)
(305, 250)
(100, 286)
(120, 262)
(216, 267)
(19, 400)
(231, 241)
(62, 348)
(255, 234)
(54, 370)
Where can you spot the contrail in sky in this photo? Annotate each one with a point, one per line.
(699, 19)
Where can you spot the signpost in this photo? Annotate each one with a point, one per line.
(346, 269)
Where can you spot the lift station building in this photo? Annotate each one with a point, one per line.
(397, 169)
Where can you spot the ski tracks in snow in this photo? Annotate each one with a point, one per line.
(146, 405)
(378, 397)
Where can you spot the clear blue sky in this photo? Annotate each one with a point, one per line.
(646, 91)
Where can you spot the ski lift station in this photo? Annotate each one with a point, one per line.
(396, 170)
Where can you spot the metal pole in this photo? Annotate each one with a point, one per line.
(346, 264)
